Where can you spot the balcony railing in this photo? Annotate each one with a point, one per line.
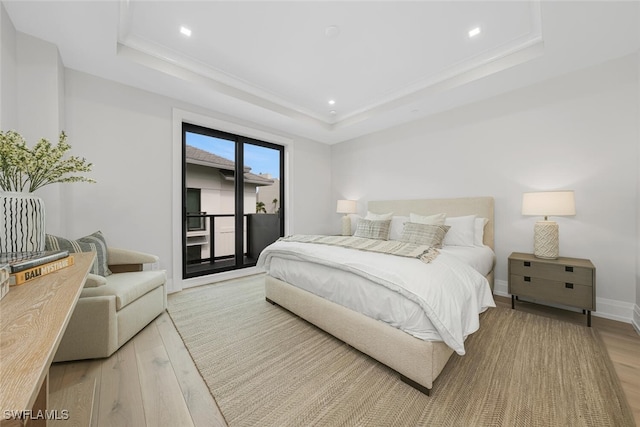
(211, 247)
(205, 237)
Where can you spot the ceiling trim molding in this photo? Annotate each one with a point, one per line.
(522, 48)
(129, 44)
(498, 64)
(175, 69)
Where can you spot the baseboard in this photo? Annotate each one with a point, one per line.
(501, 288)
(609, 309)
(614, 310)
(217, 277)
(169, 286)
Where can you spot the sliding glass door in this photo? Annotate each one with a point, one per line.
(232, 199)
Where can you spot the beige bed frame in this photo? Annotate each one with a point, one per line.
(418, 362)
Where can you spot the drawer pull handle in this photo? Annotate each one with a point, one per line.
(569, 269)
(527, 263)
(568, 285)
(527, 278)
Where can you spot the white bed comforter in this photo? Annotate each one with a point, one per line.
(451, 293)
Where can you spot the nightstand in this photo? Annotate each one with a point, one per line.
(566, 281)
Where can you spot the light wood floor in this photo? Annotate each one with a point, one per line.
(152, 381)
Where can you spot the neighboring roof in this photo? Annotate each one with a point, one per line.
(196, 156)
(201, 157)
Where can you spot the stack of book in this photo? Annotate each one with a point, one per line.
(26, 266)
(5, 273)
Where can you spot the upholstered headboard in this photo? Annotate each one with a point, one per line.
(481, 206)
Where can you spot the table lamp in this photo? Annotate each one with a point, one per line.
(346, 207)
(545, 232)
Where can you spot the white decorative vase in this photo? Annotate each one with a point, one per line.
(22, 225)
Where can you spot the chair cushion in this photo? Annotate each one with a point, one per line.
(127, 287)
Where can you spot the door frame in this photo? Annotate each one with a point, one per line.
(175, 281)
(241, 233)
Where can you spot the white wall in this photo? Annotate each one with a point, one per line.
(31, 101)
(40, 108)
(576, 132)
(8, 87)
(40, 83)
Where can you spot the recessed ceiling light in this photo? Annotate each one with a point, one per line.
(185, 31)
(332, 31)
(332, 102)
(333, 112)
(475, 32)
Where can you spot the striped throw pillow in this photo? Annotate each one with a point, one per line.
(372, 229)
(92, 243)
(424, 234)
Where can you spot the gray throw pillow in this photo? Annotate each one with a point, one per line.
(92, 243)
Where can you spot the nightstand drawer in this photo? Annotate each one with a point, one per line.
(566, 293)
(556, 272)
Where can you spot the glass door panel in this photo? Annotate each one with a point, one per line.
(210, 203)
(262, 197)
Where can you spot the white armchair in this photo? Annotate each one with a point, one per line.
(112, 309)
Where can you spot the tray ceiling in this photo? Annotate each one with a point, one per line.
(279, 64)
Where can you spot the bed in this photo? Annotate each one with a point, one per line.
(418, 359)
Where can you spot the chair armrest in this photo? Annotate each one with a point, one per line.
(119, 256)
(93, 281)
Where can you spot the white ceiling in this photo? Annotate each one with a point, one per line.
(273, 63)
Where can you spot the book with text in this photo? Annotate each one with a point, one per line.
(5, 276)
(33, 273)
(20, 261)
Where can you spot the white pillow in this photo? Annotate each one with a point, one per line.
(437, 219)
(397, 225)
(462, 231)
(378, 217)
(479, 233)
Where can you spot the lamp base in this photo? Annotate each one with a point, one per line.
(546, 240)
(346, 225)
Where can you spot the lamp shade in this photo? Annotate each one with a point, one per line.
(549, 203)
(346, 206)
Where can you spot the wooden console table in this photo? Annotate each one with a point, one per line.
(33, 318)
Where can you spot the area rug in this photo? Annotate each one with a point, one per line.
(267, 367)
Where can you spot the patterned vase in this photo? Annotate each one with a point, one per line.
(22, 225)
